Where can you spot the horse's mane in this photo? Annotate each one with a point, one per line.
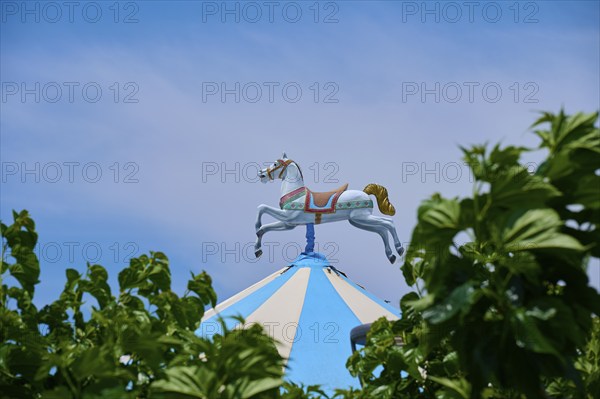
(299, 169)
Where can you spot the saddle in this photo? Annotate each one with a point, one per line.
(323, 202)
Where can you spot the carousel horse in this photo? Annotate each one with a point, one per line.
(300, 206)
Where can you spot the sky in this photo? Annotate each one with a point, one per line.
(129, 127)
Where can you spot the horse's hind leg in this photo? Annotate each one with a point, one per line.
(359, 223)
(275, 226)
(389, 224)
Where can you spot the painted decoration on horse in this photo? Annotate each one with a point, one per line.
(315, 202)
(298, 206)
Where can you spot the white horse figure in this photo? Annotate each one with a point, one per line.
(300, 206)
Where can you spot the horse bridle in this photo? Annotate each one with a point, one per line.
(282, 164)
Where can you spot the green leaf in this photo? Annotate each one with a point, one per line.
(536, 229)
(406, 300)
(98, 289)
(516, 187)
(524, 263)
(254, 388)
(91, 362)
(441, 214)
(60, 392)
(460, 300)
(183, 382)
(528, 335)
(408, 273)
(97, 273)
(128, 278)
(201, 285)
(439, 221)
(461, 387)
(72, 276)
(507, 156)
(26, 273)
(587, 192)
(161, 276)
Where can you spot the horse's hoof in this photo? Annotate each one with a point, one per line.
(392, 258)
(400, 251)
(258, 253)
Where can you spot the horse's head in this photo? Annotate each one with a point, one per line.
(277, 170)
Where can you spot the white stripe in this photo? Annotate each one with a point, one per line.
(241, 295)
(361, 305)
(279, 315)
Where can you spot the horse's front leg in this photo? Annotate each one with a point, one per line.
(275, 226)
(281, 215)
(276, 213)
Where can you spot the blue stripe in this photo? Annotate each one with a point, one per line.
(244, 307)
(323, 337)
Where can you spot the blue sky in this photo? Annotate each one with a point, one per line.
(156, 132)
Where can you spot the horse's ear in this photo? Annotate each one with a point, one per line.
(283, 156)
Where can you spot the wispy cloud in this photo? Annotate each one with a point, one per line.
(371, 134)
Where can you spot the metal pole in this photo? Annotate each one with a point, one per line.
(310, 238)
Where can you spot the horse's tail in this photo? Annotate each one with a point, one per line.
(383, 202)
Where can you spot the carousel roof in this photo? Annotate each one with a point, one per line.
(309, 307)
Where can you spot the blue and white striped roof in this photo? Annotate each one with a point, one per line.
(309, 308)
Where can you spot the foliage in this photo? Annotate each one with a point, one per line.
(508, 312)
(588, 364)
(138, 344)
(502, 306)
